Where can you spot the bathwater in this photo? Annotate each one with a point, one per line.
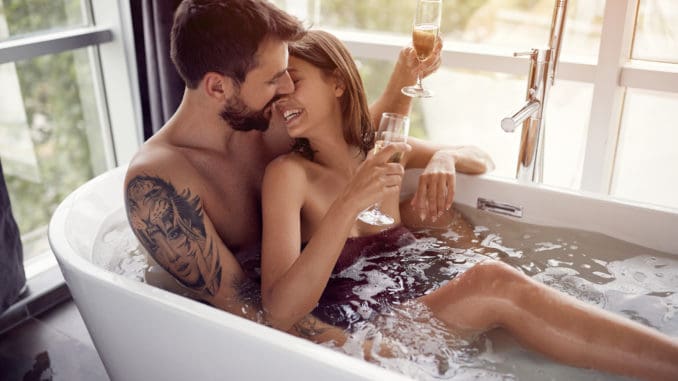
(626, 279)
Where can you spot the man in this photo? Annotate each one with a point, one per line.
(193, 189)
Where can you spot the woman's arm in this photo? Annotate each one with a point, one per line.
(404, 74)
(466, 159)
(292, 281)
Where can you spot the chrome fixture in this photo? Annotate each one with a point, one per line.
(540, 78)
(499, 207)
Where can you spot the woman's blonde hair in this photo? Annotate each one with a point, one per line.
(324, 51)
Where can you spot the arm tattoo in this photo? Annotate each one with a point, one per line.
(309, 326)
(170, 226)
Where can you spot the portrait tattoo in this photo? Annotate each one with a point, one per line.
(170, 226)
(309, 326)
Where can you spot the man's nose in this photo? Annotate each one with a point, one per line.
(286, 86)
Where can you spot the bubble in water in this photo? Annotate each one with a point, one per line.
(545, 246)
(639, 276)
(493, 241)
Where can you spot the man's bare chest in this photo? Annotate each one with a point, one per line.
(231, 199)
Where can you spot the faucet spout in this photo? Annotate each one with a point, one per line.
(540, 78)
(529, 108)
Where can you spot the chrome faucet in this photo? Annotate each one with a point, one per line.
(540, 78)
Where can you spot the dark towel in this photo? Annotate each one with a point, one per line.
(12, 276)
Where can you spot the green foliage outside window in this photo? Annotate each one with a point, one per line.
(54, 114)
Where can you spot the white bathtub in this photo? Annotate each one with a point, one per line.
(145, 333)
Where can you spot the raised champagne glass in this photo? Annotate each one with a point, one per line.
(424, 36)
(392, 128)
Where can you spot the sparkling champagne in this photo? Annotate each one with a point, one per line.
(395, 158)
(424, 39)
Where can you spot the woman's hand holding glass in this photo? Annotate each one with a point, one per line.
(425, 31)
(376, 178)
(393, 129)
(411, 66)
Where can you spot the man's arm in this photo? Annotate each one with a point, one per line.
(435, 192)
(165, 210)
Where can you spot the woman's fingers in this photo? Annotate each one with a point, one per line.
(388, 152)
(434, 195)
(419, 199)
(451, 187)
(441, 191)
(377, 176)
(433, 62)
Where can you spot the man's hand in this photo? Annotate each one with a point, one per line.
(435, 192)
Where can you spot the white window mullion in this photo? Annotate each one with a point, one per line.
(23, 48)
(608, 95)
(119, 73)
(646, 75)
(459, 55)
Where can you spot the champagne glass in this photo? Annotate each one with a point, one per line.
(424, 37)
(392, 128)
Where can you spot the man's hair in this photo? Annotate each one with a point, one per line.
(324, 51)
(223, 36)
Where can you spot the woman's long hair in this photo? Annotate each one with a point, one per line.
(324, 51)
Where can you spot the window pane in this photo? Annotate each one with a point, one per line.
(647, 157)
(511, 24)
(50, 137)
(657, 31)
(469, 105)
(27, 16)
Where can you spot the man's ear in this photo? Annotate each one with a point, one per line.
(218, 86)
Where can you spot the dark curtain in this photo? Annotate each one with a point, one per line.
(160, 86)
(12, 277)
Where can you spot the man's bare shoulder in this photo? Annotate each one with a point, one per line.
(159, 159)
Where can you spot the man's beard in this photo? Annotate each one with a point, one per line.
(242, 118)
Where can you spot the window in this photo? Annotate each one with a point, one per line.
(55, 129)
(647, 155)
(50, 137)
(32, 16)
(657, 31)
(598, 116)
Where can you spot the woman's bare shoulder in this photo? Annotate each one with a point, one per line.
(291, 164)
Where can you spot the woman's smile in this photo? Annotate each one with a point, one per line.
(290, 115)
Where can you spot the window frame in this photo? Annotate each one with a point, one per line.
(113, 65)
(109, 37)
(612, 73)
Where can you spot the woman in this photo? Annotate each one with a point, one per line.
(311, 198)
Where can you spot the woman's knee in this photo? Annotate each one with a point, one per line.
(477, 299)
(493, 273)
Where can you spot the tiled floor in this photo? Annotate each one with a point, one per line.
(54, 346)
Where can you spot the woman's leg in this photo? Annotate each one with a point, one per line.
(492, 294)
